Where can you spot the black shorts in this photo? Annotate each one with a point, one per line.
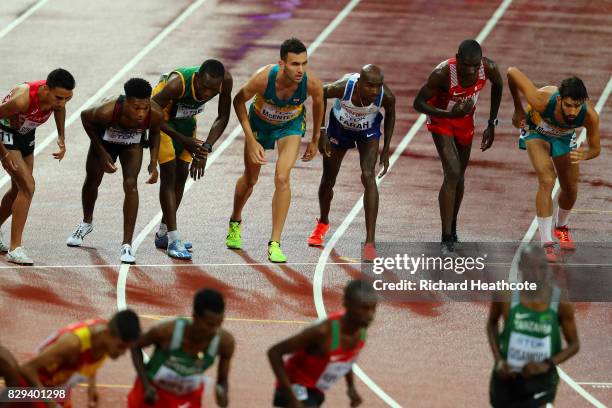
(13, 140)
(115, 149)
(315, 398)
(522, 392)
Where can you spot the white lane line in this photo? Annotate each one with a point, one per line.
(176, 265)
(123, 271)
(320, 269)
(22, 17)
(106, 87)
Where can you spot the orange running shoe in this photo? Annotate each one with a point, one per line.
(369, 252)
(565, 241)
(317, 238)
(551, 253)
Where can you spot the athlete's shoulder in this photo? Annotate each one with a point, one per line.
(227, 342)
(174, 85)
(103, 110)
(20, 96)
(157, 113)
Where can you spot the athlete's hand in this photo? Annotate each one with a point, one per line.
(221, 396)
(487, 138)
(462, 109)
(194, 146)
(518, 119)
(532, 369)
(107, 162)
(153, 173)
(384, 161)
(150, 395)
(354, 396)
(59, 155)
(198, 165)
(92, 398)
(311, 151)
(502, 370)
(577, 155)
(9, 165)
(255, 153)
(324, 145)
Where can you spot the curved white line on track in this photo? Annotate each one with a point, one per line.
(320, 269)
(21, 18)
(126, 68)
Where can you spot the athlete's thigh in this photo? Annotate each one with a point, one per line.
(464, 151)
(131, 160)
(288, 150)
(332, 164)
(368, 153)
(251, 170)
(23, 174)
(447, 151)
(539, 156)
(566, 171)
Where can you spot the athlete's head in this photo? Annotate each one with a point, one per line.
(469, 57)
(293, 59)
(370, 83)
(572, 95)
(360, 303)
(60, 84)
(210, 77)
(533, 265)
(208, 312)
(124, 329)
(138, 98)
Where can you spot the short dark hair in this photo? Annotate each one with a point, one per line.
(574, 88)
(125, 325)
(356, 290)
(291, 45)
(60, 78)
(208, 299)
(137, 88)
(469, 48)
(213, 68)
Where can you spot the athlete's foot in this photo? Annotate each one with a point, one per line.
(127, 256)
(550, 251)
(275, 253)
(233, 240)
(447, 246)
(19, 256)
(176, 249)
(3, 246)
(369, 252)
(565, 240)
(76, 239)
(317, 238)
(161, 242)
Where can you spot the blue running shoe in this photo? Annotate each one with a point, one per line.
(161, 242)
(176, 249)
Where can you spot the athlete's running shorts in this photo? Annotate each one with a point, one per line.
(462, 129)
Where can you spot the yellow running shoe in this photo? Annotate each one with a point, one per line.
(275, 254)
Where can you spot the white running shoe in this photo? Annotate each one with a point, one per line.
(127, 256)
(3, 246)
(76, 239)
(19, 256)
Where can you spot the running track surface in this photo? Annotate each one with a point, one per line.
(422, 355)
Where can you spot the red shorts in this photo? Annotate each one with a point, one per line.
(165, 399)
(461, 129)
(23, 383)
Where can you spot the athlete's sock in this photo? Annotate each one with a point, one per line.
(173, 236)
(545, 228)
(163, 229)
(562, 217)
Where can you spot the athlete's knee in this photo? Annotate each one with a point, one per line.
(368, 177)
(281, 181)
(570, 190)
(130, 185)
(250, 179)
(547, 182)
(453, 174)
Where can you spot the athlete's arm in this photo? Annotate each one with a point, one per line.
(495, 314)
(388, 103)
(60, 124)
(157, 119)
(315, 90)
(352, 393)
(94, 120)
(226, 351)
(92, 392)
(18, 103)
(520, 84)
(438, 83)
(333, 90)
(591, 124)
(255, 85)
(570, 332)
(9, 369)
(64, 349)
(313, 336)
(224, 110)
(497, 86)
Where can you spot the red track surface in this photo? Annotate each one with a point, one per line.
(423, 355)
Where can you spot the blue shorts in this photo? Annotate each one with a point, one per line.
(342, 138)
(559, 146)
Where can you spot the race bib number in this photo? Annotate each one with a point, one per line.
(332, 373)
(169, 380)
(28, 126)
(300, 392)
(184, 111)
(121, 136)
(273, 113)
(523, 349)
(6, 137)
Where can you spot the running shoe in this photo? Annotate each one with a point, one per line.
(3, 246)
(369, 252)
(550, 251)
(233, 240)
(565, 240)
(161, 242)
(176, 249)
(19, 256)
(317, 238)
(76, 239)
(275, 254)
(127, 256)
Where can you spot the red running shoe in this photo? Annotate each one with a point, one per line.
(550, 250)
(369, 252)
(317, 238)
(565, 240)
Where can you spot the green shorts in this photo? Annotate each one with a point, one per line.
(267, 134)
(559, 146)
